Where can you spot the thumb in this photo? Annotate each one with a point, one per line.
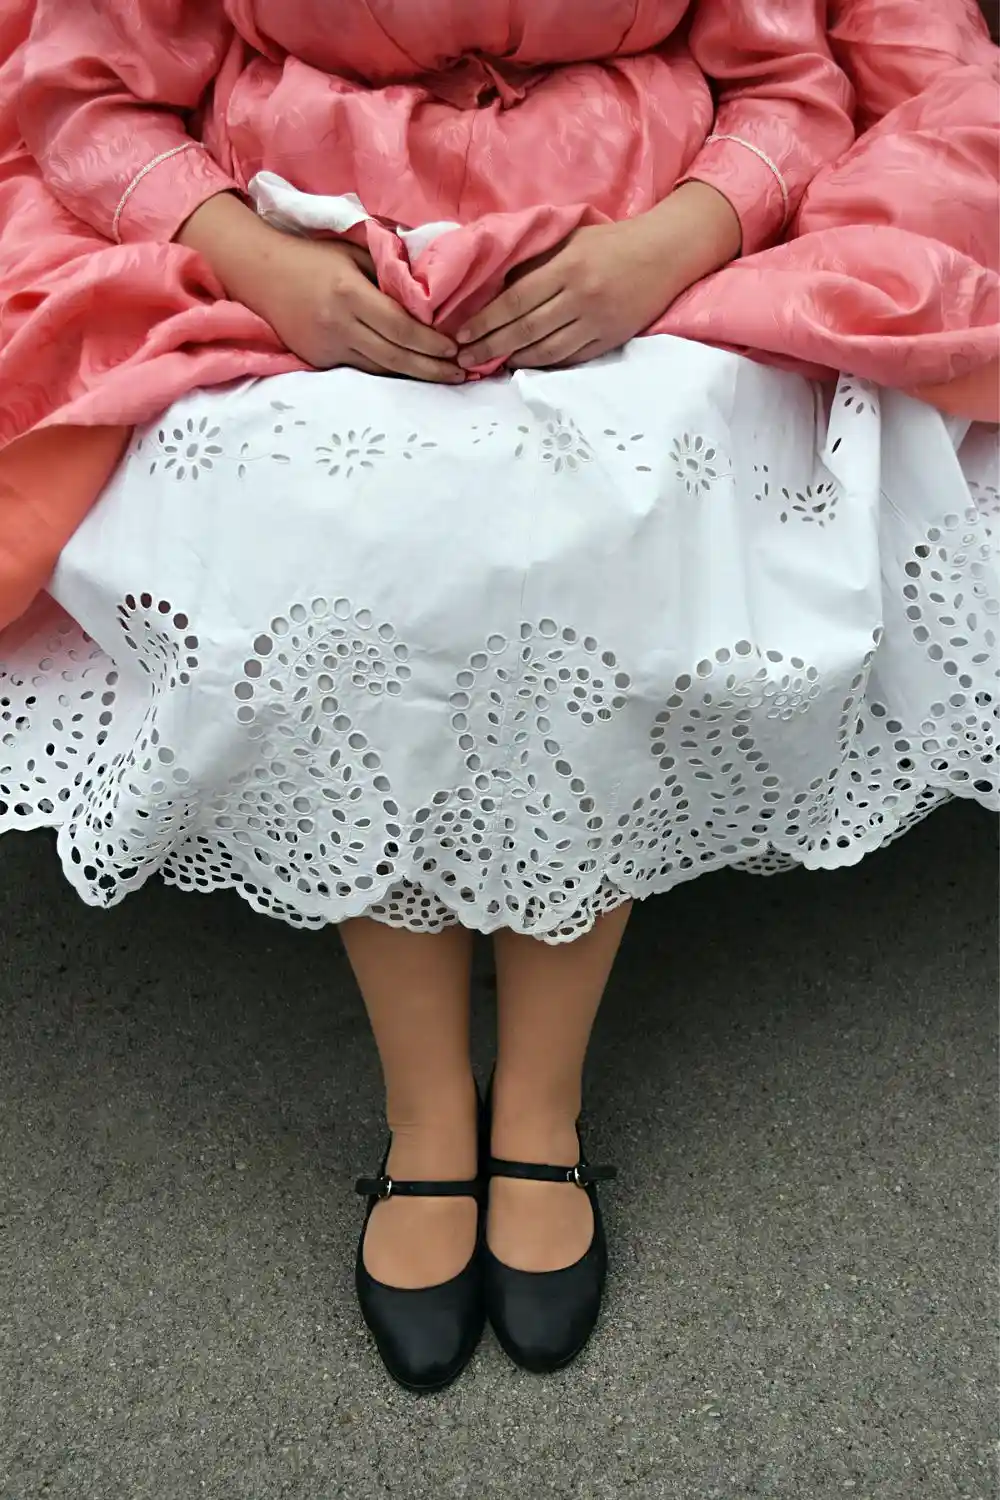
(359, 256)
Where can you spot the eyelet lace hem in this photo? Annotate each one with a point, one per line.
(65, 711)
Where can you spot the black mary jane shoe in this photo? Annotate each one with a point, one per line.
(425, 1335)
(543, 1319)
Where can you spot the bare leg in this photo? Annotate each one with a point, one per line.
(548, 998)
(416, 988)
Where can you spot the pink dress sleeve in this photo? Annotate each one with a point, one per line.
(784, 107)
(106, 86)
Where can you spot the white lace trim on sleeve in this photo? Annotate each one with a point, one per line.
(149, 167)
(739, 141)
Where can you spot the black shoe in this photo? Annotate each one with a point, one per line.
(425, 1335)
(543, 1319)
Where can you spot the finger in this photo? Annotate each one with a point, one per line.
(531, 329)
(360, 256)
(394, 360)
(516, 302)
(366, 266)
(548, 353)
(387, 318)
(534, 264)
(582, 357)
(357, 361)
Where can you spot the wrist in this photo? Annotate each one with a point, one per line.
(695, 231)
(241, 249)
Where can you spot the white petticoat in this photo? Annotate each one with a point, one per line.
(511, 653)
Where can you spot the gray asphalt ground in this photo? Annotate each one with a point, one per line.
(797, 1077)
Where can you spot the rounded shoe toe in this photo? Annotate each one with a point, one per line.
(544, 1319)
(425, 1337)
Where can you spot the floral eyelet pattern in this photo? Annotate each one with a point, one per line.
(351, 452)
(189, 451)
(563, 446)
(696, 463)
(613, 651)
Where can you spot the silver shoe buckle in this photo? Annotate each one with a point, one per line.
(574, 1176)
(385, 1188)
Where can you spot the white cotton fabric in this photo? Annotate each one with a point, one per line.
(511, 653)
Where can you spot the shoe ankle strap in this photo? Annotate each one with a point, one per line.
(394, 1187)
(583, 1174)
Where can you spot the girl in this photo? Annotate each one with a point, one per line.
(560, 618)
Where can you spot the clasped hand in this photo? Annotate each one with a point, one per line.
(604, 285)
(599, 289)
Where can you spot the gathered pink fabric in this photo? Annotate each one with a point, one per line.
(517, 119)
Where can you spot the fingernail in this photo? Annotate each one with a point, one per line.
(466, 360)
(464, 336)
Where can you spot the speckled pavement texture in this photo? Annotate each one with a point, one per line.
(797, 1077)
